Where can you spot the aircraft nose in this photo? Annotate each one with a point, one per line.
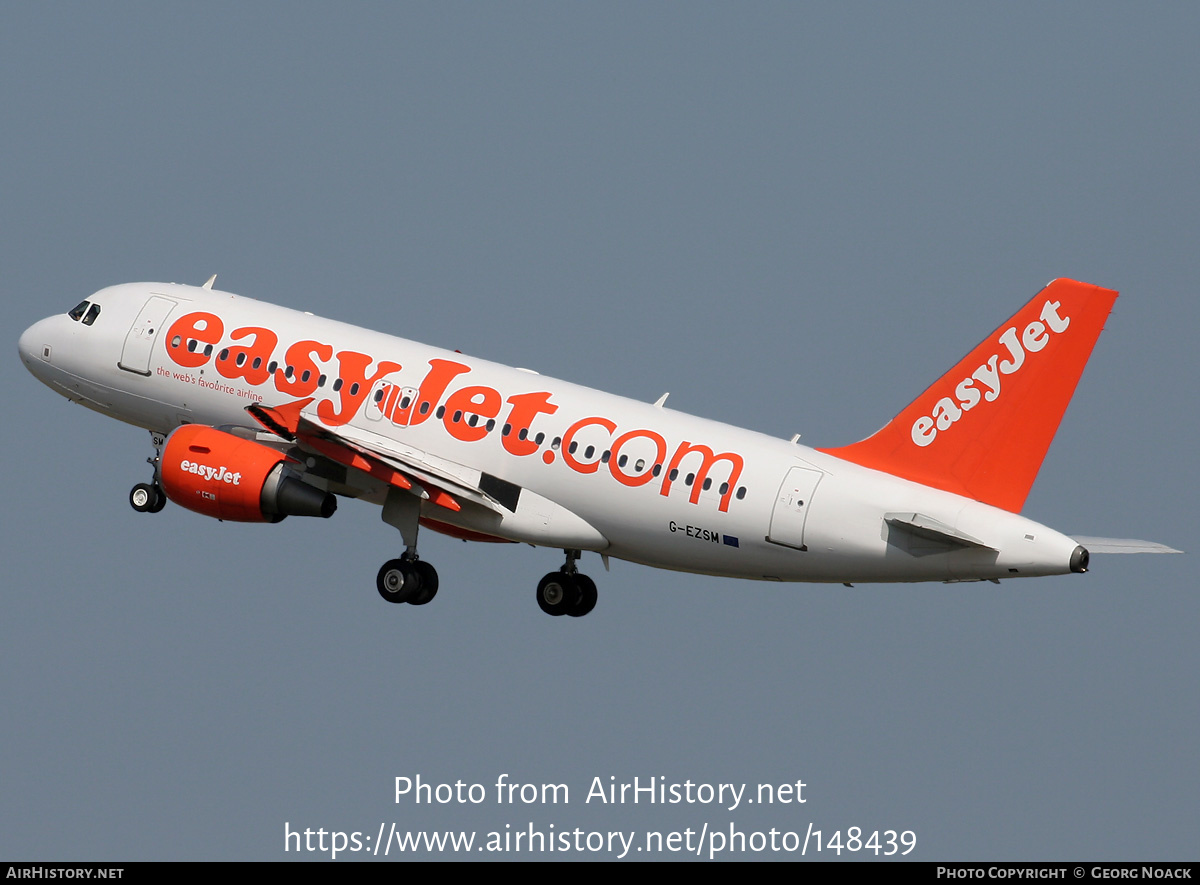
(35, 347)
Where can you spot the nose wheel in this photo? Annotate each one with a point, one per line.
(149, 497)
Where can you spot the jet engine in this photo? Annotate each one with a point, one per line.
(226, 477)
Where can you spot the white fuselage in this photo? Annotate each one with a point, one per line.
(629, 479)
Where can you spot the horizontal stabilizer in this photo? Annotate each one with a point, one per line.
(1122, 545)
(931, 529)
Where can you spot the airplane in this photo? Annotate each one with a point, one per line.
(258, 412)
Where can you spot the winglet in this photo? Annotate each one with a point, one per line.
(983, 428)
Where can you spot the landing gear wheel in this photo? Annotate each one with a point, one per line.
(427, 582)
(160, 500)
(144, 498)
(393, 581)
(558, 593)
(407, 580)
(587, 596)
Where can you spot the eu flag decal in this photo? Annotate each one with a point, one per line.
(730, 540)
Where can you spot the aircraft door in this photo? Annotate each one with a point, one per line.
(792, 506)
(146, 329)
(383, 402)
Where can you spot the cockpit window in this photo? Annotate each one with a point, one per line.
(77, 311)
(91, 315)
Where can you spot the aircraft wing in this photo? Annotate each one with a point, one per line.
(442, 482)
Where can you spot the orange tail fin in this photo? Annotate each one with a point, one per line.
(983, 428)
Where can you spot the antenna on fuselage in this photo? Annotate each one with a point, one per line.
(658, 403)
(211, 280)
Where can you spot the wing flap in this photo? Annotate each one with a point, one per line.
(442, 482)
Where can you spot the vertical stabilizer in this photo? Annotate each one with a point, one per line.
(983, 428)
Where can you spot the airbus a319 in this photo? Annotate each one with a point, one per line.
(258, 412)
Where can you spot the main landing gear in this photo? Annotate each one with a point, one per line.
(149, 497)
(567, 591)
(412, 580)
(407, 579)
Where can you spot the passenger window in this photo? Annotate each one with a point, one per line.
(93, 312)
(77, 311)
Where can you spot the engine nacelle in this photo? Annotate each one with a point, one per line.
(226, 477)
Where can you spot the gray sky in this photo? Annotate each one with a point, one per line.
(793, 217)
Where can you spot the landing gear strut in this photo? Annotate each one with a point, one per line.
(150, 497)
(407, 579)
(567, 591)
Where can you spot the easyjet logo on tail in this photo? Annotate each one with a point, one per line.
(984, 384)
(1015, 384)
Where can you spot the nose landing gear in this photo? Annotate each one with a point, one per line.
(150, 497)
(147, 498)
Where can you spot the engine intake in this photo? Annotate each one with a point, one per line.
(226, 477)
